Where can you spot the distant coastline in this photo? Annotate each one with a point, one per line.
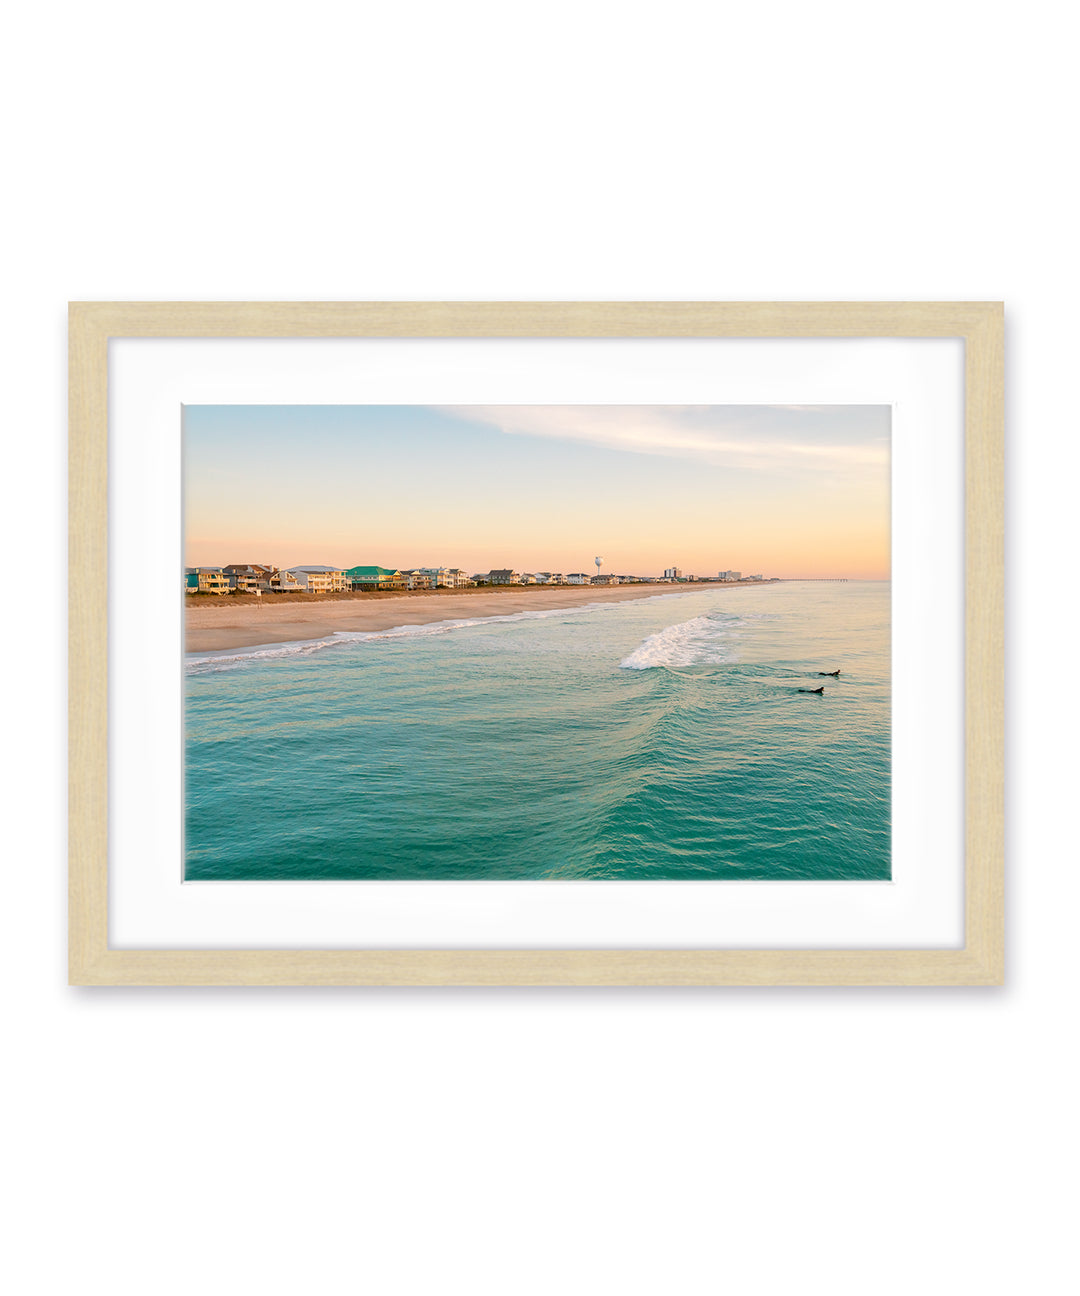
(220, 623)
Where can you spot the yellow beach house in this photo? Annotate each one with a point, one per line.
(206, 580)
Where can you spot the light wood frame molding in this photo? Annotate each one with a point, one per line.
(979, 962)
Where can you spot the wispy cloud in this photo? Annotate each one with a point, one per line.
(766, 438)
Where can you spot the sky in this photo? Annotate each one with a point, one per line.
(792, 490)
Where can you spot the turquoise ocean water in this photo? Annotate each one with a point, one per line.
(655, 738)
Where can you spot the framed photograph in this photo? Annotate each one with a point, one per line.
(536, 643)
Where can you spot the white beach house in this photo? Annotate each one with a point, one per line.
(317, 579)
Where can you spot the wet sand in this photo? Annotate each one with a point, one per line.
(219, 625)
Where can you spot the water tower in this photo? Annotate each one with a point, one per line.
(599, 562)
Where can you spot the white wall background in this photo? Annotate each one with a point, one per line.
(515, 1141)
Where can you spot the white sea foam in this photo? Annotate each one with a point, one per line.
(207, 664)
(204, 664)
(704, 640)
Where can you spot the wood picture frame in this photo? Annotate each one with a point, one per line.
(92, 961)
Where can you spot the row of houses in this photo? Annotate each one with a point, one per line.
(676, 574)
(255, 578)
(419, 578)
(507, 576)
(672, 575)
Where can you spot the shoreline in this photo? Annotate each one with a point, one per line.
(227, 625)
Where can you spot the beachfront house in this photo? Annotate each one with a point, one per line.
(205, 580)
(578, 578)
(527, 578)
(284, 582)
(376, 578)
(320, 579)
(503, 576)
(446, 577)
(248, 578)
(417, 579)
(603, 580)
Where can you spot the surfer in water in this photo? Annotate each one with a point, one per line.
(817, 690)
(831, 674)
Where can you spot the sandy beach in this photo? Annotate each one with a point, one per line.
(223, 624)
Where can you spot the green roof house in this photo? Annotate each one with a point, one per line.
(374, 578)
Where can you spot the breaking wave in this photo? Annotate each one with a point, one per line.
(703, 641)
(205, 665)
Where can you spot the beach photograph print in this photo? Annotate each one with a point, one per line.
(572, 643)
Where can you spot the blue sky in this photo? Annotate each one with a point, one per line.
(799, 490)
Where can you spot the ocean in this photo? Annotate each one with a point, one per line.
(659, 738)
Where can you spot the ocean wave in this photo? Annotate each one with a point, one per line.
(702, 641)
(200, 665)
(268, 652)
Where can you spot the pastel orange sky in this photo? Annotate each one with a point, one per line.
(781, 490)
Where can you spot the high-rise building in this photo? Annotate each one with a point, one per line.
(672, 573)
